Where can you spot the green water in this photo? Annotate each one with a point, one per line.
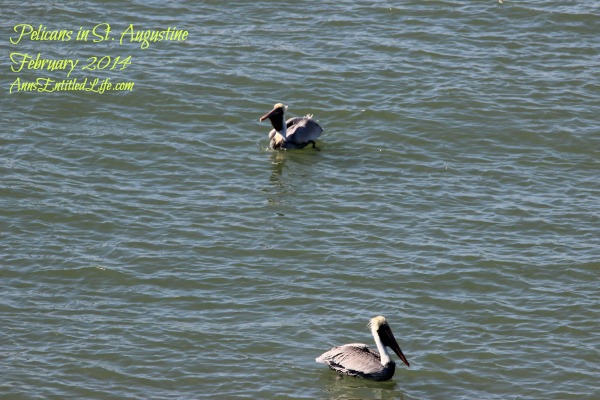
(154, 248)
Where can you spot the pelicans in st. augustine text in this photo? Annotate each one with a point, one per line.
(357, 359)
(295, 133)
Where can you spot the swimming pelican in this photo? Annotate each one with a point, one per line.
(296, 133)
(357, 359)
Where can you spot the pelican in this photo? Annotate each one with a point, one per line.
(296, 133)
(357, 359)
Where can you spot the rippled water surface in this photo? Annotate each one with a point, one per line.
(154, 248)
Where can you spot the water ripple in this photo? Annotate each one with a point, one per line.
(152, 241)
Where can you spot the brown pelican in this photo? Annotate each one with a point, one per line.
(357, 359)
(295, 133)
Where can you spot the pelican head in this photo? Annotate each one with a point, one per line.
(276, 116)
(380, 329)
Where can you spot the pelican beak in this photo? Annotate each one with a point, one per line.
(269, 114)
(276, 117)
(389, 340)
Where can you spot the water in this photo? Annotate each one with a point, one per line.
(153, 248)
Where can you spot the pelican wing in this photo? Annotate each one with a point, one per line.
(301, 130)
(354, 359)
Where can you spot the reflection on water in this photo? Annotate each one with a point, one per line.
(164, 188)
(340, 387)
(278, 187)
(291, 172)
